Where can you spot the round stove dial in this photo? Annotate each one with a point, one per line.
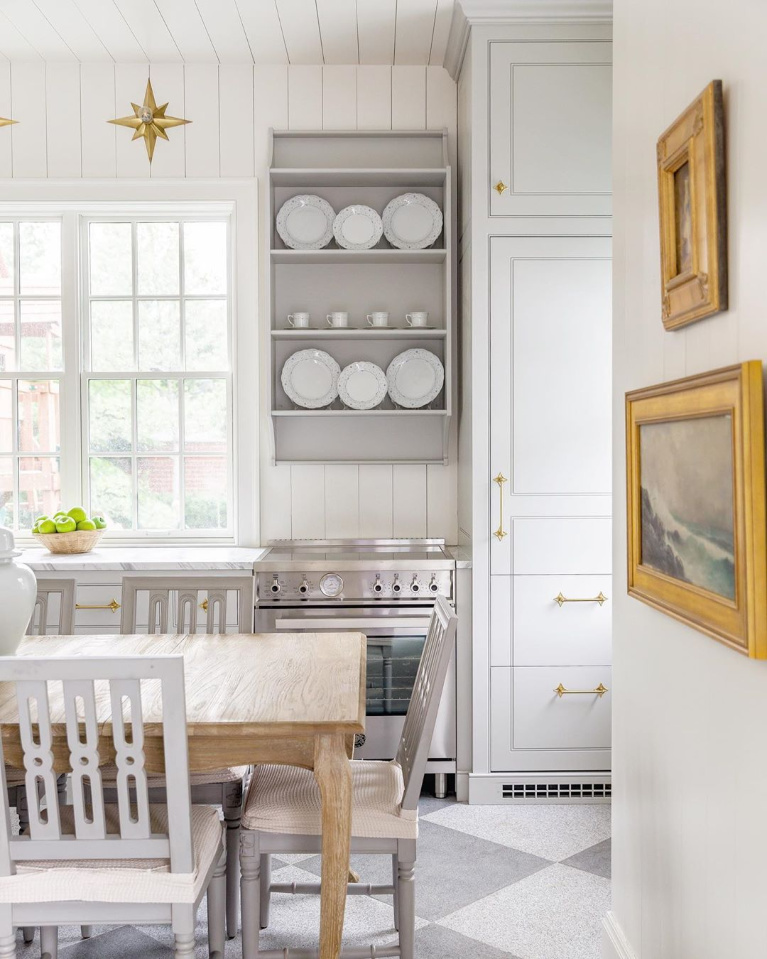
(331, 585)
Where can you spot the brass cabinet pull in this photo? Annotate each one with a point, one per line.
(204, 605)
(114, 606)
(600, 690)
(500, 479)
(601, 599)
(499, 187)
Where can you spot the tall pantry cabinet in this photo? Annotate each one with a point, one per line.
(535, 431)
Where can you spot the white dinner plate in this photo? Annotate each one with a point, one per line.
(415, 378)
(412, 221)
(310, 378)
(362, 385)
(357, 227)
(305, 222)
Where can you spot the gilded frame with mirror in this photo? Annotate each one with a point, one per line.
(693, 220)
(697, 542)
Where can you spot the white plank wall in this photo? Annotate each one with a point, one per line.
(62, 109)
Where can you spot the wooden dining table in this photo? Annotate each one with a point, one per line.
(292, 698)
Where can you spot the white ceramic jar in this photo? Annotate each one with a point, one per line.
(18, 593)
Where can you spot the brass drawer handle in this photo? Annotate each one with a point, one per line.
(500, 187)
(114, 606)
(601, 599)
(500, 479)
(204, 605)
(600, 690)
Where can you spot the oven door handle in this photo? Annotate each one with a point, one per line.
(371, 623)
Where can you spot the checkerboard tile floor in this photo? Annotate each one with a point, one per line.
(492, 882)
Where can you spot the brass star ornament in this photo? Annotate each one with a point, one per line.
(5, 122)
(149, 121)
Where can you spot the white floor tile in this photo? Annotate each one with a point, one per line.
(553, 914)
(553, 832)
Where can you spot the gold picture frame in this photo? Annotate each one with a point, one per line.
(693, 218)
(697, 542)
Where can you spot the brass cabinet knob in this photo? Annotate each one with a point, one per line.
(500, 186)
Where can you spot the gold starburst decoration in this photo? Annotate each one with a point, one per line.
(5, 122)
(149, 121)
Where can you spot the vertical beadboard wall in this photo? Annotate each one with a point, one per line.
(62, 108)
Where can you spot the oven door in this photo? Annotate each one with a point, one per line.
(395, 643)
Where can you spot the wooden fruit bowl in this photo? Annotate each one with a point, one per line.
(79, 541)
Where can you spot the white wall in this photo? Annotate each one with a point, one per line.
(690, 785)
(62, 109)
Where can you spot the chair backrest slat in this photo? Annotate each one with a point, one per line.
(421, 716)
(87, 694)
(185, 595)
(44, 613)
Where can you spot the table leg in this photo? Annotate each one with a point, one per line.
(334, 777)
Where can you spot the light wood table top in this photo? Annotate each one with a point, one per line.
(290, 698)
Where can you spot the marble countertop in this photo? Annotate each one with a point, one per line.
(461, 555)
(143, 558)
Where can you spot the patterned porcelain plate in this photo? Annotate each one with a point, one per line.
(415, 378)
(305, 222)
(362, 385)
(310, 378)
(357, 227)
(412, 221)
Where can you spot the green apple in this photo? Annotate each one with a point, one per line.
(78, 514)
(86, 524)
(99, 521)
(47, 526)
(41, 519)
(66, 525)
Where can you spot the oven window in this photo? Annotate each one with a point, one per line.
(391, 671)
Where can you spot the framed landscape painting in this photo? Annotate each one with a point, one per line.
(697, 545)
(693, 221)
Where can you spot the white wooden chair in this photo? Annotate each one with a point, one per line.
(283, 813)
(54, 610)
(172, 604)
(91, 862)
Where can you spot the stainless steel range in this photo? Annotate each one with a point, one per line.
(385, 589)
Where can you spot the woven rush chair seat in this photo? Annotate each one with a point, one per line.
(286, 800)
(116, 880)
(229, 775)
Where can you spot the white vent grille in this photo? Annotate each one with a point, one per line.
(543, 791)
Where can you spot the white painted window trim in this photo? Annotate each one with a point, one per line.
(74, 200)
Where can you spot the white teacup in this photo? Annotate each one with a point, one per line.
(339, 319)
(299, 321)
(378, 319)
(420, 318)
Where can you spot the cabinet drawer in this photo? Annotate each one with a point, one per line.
(562, 545)
(99, 595)
(571, 634)
(576, 720)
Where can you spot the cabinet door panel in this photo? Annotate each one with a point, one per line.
(571, 634)
(562, 545)
(550, 128)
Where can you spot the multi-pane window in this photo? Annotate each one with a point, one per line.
(157, 390)
(31, 369)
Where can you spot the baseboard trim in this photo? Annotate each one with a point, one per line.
(615, 945)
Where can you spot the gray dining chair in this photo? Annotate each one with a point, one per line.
(283, 812)
(92, 862)
(182, 604)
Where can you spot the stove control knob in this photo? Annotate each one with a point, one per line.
(434, 585)
(378, 585)
(396, 585)
(303, 588)
(415, 586)
(276, 588)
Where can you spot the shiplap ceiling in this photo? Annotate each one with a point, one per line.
(227, 31)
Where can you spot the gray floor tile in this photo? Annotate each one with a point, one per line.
(437, 942)
(453, 869)
(428, 803)
(595, 859)
(554, 914)
(125, 942)
(553, 831)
